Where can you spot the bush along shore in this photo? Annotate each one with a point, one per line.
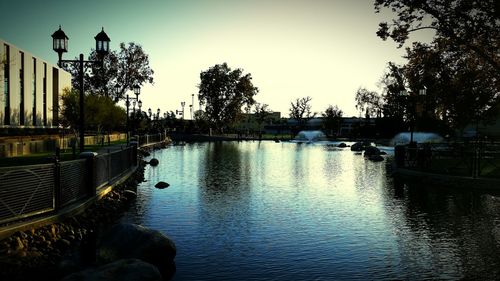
(82, 247)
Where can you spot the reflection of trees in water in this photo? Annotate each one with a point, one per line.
(451, 231)
(224, 187)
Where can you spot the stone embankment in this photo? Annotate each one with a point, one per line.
(61, 249)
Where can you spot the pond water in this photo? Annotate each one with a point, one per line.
(288, 211)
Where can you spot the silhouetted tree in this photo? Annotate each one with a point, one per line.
(332, 118)
(368, 102)
(127, 67)
(224, 92)
(300, 110)
(262, 113)
(473, 25)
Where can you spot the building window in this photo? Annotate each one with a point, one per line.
(21, 90)
(6, 88)
(44, 94)
(33, 82)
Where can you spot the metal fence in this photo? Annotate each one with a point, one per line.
(472, 159)
(31, 190)
(26, 191)
(149, 139)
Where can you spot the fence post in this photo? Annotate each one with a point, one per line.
(91, 173)
(399, 155)
(57, 183)
(134, 146)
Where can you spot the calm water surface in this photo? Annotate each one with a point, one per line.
(287, 211)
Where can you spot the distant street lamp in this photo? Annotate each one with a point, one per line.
(405, 94)
(183, 103)
(137, 92)
(191, 107)
(60, 46)
(413, 101)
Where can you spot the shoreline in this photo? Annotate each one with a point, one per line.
(59, 248)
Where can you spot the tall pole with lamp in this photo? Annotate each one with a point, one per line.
(183, 103)
(60, 46)
(191, 107)
(137, 92)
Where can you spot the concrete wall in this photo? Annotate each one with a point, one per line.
(31, 92)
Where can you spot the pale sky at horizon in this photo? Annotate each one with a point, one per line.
(325, 49)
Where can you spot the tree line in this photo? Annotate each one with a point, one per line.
(449, 83)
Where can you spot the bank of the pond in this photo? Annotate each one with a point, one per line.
(65, 244)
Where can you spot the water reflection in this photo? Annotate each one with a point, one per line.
(283, 211)
(444, 232)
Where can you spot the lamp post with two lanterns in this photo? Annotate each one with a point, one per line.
(60, 46)
(137, 92)
(154, 117)
(404, 93)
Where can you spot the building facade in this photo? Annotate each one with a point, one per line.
(29, 90)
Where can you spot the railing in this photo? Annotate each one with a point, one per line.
(473, 159)
(36, 189)
(149, 139)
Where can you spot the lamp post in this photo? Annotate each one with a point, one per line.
(183, 103)
(60, 46)
(191, 107)
(137, 92)
(406, 95)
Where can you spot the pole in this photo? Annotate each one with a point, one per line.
(127, 104)
(82, 111)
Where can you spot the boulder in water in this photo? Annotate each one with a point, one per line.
(129, 194)
(371, 150)
(120, 270)
(154, 162)
(162, 185)
(125, 241)
(376, 158)
(358, 146)
(342, 145)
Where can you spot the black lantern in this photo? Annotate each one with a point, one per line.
(102, 43)
(137, 90)
(59, 42)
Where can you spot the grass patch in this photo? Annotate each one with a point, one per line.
(48, 157)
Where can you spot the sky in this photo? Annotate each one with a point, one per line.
(325, 49)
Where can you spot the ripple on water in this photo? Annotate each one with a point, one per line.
(282, 211)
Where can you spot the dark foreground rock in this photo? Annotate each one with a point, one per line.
(376, 158)
(125, 241)
(120, 270)
(371, 151)
(162, 185)
(358, 146)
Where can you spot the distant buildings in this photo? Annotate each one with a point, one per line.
(30, 90)
(275, 125)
